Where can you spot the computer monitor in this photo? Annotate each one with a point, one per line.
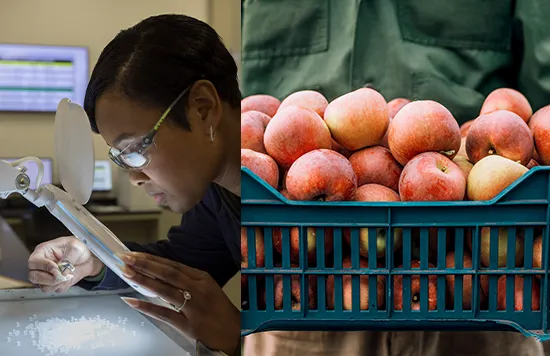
(32, 170)
(103, 180)
(34, 78)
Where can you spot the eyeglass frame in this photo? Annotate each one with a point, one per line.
(147, 140)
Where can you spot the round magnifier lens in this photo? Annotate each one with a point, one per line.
(134, 160)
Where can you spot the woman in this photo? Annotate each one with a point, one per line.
(164, 96)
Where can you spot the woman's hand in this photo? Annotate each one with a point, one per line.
(208, 316)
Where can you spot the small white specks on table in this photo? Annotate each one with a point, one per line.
(61, 336)
(86, 326)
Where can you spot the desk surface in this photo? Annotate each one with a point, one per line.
(13, 254)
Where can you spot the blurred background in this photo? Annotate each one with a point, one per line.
(77, 31)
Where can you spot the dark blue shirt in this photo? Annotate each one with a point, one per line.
(207, 239)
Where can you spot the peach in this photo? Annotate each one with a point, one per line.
(518, 293)
(465, 165)
(491, 175)
(381, 236)
(259, 251)
(341, 150)
(416, 291)
(431, 176)
(261, 102)
(322, 175)
(467, 283)
(500, 133)
(311, 242)
(423, 126)
(286, 194)
(462, 150)
(363, 292)
(307, 99)
(375, 193)
(295, 292)
(262, 165)
(485, 246)
(376, 165)
(282, 178)
(537, 253)
(384, 140)
(347, 296)
(395, 105)
(294, 131)
(358, 119)
(260, 256)
(252, 130)
(507, 99)
(540, 126)
(465, 128)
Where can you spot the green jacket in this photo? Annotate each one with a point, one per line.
(453, 52)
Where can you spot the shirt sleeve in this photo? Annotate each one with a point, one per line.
(197, 243)
(533, 35)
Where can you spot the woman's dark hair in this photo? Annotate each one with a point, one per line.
(155, 60)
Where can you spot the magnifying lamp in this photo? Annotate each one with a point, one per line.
(75, 158)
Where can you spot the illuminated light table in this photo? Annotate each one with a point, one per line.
(134, 334)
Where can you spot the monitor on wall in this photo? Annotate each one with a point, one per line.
(103, 180)
(34, 78)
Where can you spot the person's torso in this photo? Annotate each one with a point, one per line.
(227, 209)
(374, 343)
(453, 52)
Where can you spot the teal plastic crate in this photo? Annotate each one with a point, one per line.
(522, 208)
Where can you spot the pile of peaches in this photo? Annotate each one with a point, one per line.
(359, 147)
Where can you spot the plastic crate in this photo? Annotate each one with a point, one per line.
(522, 207)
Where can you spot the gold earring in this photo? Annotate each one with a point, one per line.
(211, 135)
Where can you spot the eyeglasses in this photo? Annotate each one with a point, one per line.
(136, 154)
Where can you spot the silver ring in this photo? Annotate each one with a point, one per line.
(65, 265)
(186, 297)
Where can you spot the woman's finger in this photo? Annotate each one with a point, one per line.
(169, 292)
(45, 278)
(169, 316)
(139, 258)
(155, 269)
(39, 263)
(49, 289)
(63, 288)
